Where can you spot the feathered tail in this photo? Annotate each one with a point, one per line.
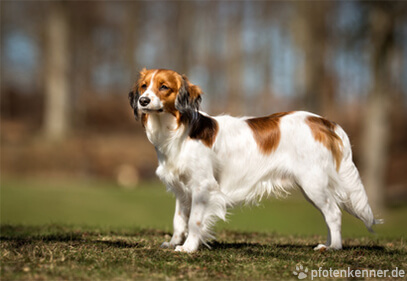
(354, 198)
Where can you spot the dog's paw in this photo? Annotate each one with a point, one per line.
(321, 248)
(167, 245)
(185, 249)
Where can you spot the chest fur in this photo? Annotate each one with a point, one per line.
(175, 175)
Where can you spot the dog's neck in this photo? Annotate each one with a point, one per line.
(164, 132)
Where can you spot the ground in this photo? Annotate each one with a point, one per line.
(61, 252)
(92, 231)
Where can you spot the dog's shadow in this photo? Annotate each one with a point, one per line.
(217, 245)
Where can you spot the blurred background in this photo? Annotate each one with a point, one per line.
(68, 136)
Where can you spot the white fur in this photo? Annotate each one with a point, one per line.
(206, 181)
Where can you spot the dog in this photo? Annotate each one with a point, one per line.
(214, 163)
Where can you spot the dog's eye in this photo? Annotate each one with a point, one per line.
(144, 86)
(163, 87)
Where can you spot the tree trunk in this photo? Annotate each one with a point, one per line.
(56, 115)
(234, 67)
(376, 134)
(375, 148)
(131, 21)
(310, 33)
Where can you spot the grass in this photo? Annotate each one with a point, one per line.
(84, 203)
(61, 252)
(92, 230)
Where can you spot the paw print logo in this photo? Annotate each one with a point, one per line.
(300, 271)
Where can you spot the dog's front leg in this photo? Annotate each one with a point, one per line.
(197, 227)
(181, 216)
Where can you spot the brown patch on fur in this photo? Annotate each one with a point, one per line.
(144, 79)
(194, 90)
(172, 80)
(205, 130)
(324, 132)
(266, 131)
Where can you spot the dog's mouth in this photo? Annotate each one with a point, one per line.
(148, 110)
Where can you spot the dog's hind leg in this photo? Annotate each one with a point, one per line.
(332, 215)
(316, 191)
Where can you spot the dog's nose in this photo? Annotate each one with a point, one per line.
(144, 101)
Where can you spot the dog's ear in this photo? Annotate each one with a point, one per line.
(188, 100)
(134, 94)
(133, 99)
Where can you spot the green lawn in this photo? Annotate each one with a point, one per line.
(100, 204)
(95, 230)
(56, 252)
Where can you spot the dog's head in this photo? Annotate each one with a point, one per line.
(160, 90)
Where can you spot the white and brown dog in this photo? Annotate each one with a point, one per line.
(212, 163)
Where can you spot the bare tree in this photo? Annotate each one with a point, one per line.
(310, 33)
(183, 30)
(132, 19)
(56, 115)
(234, 64)
(264, 56)
(377, 133)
